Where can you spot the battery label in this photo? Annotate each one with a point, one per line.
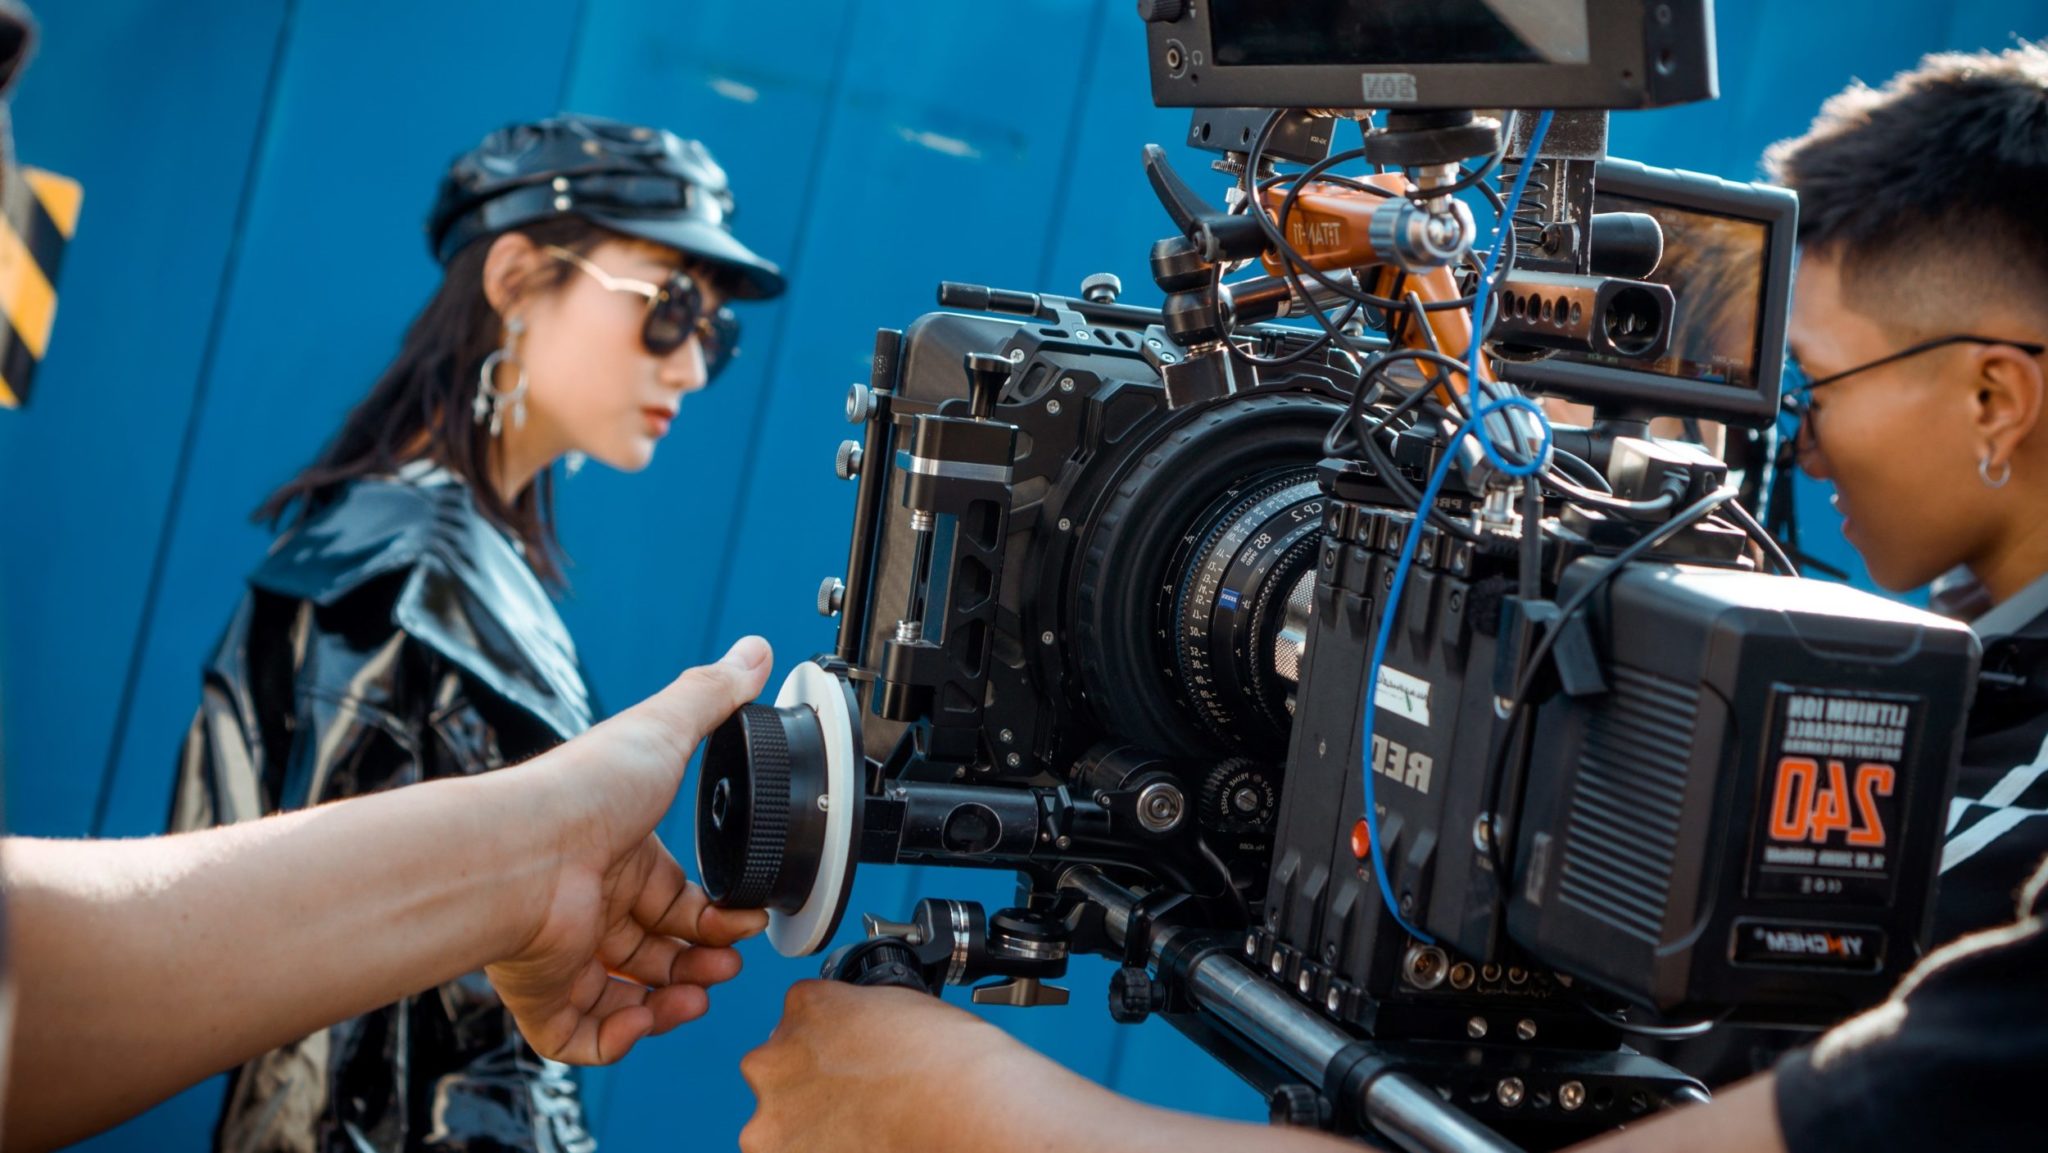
(1830, 794)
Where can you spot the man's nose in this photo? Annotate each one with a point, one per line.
(1807, 451)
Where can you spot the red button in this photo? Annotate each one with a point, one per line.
(1361, 841)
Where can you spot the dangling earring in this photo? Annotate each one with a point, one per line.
(490, 403)
(573, 462)
(1984, 472)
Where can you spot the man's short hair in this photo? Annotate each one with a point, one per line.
(1929, 191)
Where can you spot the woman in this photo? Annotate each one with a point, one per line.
(402, 629)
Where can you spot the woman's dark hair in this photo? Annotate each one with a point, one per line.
(421, 407)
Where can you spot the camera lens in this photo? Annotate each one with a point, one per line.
(1187, 572)
(1257, 543)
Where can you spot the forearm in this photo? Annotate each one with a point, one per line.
(143, 966)
(1046, 1107)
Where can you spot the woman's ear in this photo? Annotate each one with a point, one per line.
(2010, 388)
(508, 268)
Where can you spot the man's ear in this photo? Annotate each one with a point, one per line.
(509, 267)
(2010, 386)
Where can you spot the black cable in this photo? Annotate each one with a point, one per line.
(1273, 226)
(1229, 881)
(1518, 703)
(1607, 502)
(1763, 538)
(1581, 469)
(1660, 1032)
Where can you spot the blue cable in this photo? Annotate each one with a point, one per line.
(1386, 632)
(1479, 301)
(1406, 561)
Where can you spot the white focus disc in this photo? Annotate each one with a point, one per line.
(806, 930)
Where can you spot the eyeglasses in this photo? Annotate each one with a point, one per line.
(1798, 385)
(676, 312)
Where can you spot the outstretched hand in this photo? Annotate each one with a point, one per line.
(626, 946)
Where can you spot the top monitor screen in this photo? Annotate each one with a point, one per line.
(1430, 54)
(1383, 32)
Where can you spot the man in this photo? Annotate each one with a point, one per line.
(1921, 321)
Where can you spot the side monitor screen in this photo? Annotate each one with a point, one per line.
(1714, 266)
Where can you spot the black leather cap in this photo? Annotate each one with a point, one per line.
(643, 182)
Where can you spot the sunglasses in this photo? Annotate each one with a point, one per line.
(1798, 385)
(676, 312)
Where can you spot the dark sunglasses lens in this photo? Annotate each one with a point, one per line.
(721, 342)
(673, 316)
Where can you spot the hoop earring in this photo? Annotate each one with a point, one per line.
(1984, 472)
(490, 405)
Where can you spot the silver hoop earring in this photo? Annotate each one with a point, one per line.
(1984, 472)
(490, 405)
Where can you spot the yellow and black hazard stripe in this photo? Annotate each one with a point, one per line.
(38, 215)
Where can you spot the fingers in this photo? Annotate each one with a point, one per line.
(670, 904)
(696, 702)
(659, 961)
(614, 1020)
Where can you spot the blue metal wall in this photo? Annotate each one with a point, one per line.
(256, 172)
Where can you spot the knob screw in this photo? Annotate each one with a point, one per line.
(848, 460)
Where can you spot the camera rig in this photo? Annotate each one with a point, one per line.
(1408, 752)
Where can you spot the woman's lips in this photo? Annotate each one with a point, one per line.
(658, 420)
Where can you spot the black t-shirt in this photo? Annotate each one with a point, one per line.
(1955, 1060)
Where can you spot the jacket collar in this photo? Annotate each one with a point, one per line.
(468, 594)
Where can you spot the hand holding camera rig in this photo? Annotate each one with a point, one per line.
(1409, 753)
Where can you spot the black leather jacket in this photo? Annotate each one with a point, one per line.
(395, 636)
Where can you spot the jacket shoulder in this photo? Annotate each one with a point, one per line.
(374, 528)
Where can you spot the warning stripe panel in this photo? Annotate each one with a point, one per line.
(38, 216)
(58, 196)
(30, 214)
(27, 298)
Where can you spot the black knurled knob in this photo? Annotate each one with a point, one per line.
(743, 808)
(880, 961)
(1133, 995)
(1296, 1105)
(1161, 11)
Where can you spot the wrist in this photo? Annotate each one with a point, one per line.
(523, 826)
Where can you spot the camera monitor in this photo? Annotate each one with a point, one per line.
(1728, 262)
(1442, 54)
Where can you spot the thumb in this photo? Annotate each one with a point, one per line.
(699, 700)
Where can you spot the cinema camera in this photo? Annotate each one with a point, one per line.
(1409, 753)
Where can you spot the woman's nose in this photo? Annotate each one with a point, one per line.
(684, 369)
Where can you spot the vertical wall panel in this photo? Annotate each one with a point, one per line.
(153, 106)
(648, 549)
(333, 264)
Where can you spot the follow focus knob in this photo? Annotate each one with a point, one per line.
(759, 824)
(831, 596)
(1161, 11)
